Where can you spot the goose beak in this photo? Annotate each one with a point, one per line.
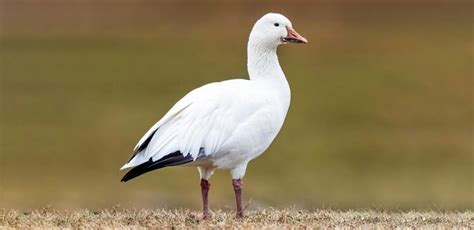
(293, 37)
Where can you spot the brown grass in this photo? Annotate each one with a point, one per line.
(267, 218)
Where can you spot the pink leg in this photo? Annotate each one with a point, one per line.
(205, 185)
(238, 185)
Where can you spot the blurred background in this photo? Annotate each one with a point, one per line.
(381, 113)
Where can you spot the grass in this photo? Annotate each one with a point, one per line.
(266, 218)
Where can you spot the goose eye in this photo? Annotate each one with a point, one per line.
(276, 24)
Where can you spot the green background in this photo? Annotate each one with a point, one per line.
(381, 113)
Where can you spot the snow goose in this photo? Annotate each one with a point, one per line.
(224, 125)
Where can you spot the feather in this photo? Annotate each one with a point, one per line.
(176, 158)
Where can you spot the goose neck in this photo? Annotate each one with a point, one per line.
(262, 62)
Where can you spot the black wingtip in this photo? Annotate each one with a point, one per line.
(142, 146)
(171, 159)
(137, 171)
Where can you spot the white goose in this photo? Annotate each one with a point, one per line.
(224, 124)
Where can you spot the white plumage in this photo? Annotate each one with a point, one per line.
(229, 117)
(225, 124)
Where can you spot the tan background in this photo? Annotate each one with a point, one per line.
(381, 114)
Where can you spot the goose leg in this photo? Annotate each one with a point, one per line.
(205, 185)
(238, 185)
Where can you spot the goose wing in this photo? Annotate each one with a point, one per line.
(195, 127)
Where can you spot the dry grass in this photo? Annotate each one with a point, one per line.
(268, 218)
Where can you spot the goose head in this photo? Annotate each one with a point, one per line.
(272, 30)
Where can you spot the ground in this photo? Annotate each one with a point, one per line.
(266, 218)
